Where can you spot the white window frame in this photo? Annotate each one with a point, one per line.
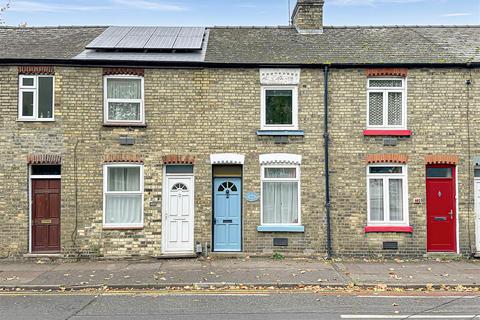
(297, 179)
(294, 125)
(107, 100)
(385, 91)
(105, 192)
(386, 195)
(34, 89)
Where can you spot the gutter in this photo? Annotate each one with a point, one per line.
(211, 64)
(326, 138)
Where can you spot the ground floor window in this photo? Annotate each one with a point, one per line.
(280, 194)
(123, 195)
(387, 195)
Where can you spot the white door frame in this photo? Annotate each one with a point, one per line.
(476, 193)
(165, 195)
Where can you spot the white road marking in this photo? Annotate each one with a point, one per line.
(421, 297)
(406, 316)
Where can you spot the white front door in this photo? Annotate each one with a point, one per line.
(178, 217)
(477, 213)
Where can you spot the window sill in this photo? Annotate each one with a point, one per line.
(126, 124)
(281, 229)
(123, 228)
(35, 120)
(397, 229)
(396, 133)
(280, 133)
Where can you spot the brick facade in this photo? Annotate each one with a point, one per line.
(438, 102)
(193, 113)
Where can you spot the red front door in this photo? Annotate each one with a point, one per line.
(46, 215)
(441, 209)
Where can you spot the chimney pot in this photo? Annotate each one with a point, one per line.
(308, 16)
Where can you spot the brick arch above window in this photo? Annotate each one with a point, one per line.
(33, 159)
(442, 159)
(140, 72)
(387, 158)
(36, 70)
(387, 72)
(179, 159)
(123, 158)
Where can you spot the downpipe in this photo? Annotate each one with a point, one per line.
(326, 139)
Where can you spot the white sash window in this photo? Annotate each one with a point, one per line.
(123, 195)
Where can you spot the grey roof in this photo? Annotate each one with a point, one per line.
(346, 45)
(272, 45)
(45, 43)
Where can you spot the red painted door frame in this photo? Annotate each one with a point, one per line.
(441, 207)
(46, 204)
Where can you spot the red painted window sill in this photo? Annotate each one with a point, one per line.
(371, 229)
(396, 133)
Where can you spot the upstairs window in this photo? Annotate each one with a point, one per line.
(36, 98)
(280, 108)
(387, 195)
(124, 103)
(387, 107)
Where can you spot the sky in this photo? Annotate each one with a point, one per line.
(236, 12)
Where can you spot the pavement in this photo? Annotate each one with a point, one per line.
(223, 272)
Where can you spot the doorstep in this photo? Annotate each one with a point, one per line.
(176, 256)
(42, 255)
(448, 255)
(220, 254)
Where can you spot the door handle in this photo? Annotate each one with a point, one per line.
(451, 214)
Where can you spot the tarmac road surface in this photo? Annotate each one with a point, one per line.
(263, 305)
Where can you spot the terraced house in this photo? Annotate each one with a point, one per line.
(302, 139)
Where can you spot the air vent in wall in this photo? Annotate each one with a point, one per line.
(280, 242)
(390, 245)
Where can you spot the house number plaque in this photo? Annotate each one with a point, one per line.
(252, 196)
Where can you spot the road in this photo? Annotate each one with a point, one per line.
(225, 306)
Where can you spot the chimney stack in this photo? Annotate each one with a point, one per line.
(308, 16)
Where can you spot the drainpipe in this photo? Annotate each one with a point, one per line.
(326, 164)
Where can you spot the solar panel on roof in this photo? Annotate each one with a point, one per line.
(110, 37)
(188, 43)
(161, 38)
(136, 38)
(190, 38)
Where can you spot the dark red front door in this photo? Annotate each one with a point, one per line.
(441, 209)
(46, 215)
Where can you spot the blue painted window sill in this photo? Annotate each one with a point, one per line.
(281, 229)
(300, 133)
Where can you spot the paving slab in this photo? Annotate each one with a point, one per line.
(255, 271)
(412, 273)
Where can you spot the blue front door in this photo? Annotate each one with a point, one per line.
(227, 214)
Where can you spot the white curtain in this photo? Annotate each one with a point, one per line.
(376, 200)
(124, 179)
(396, 199)
(123, 208)
(124, 88)
(280, 202)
